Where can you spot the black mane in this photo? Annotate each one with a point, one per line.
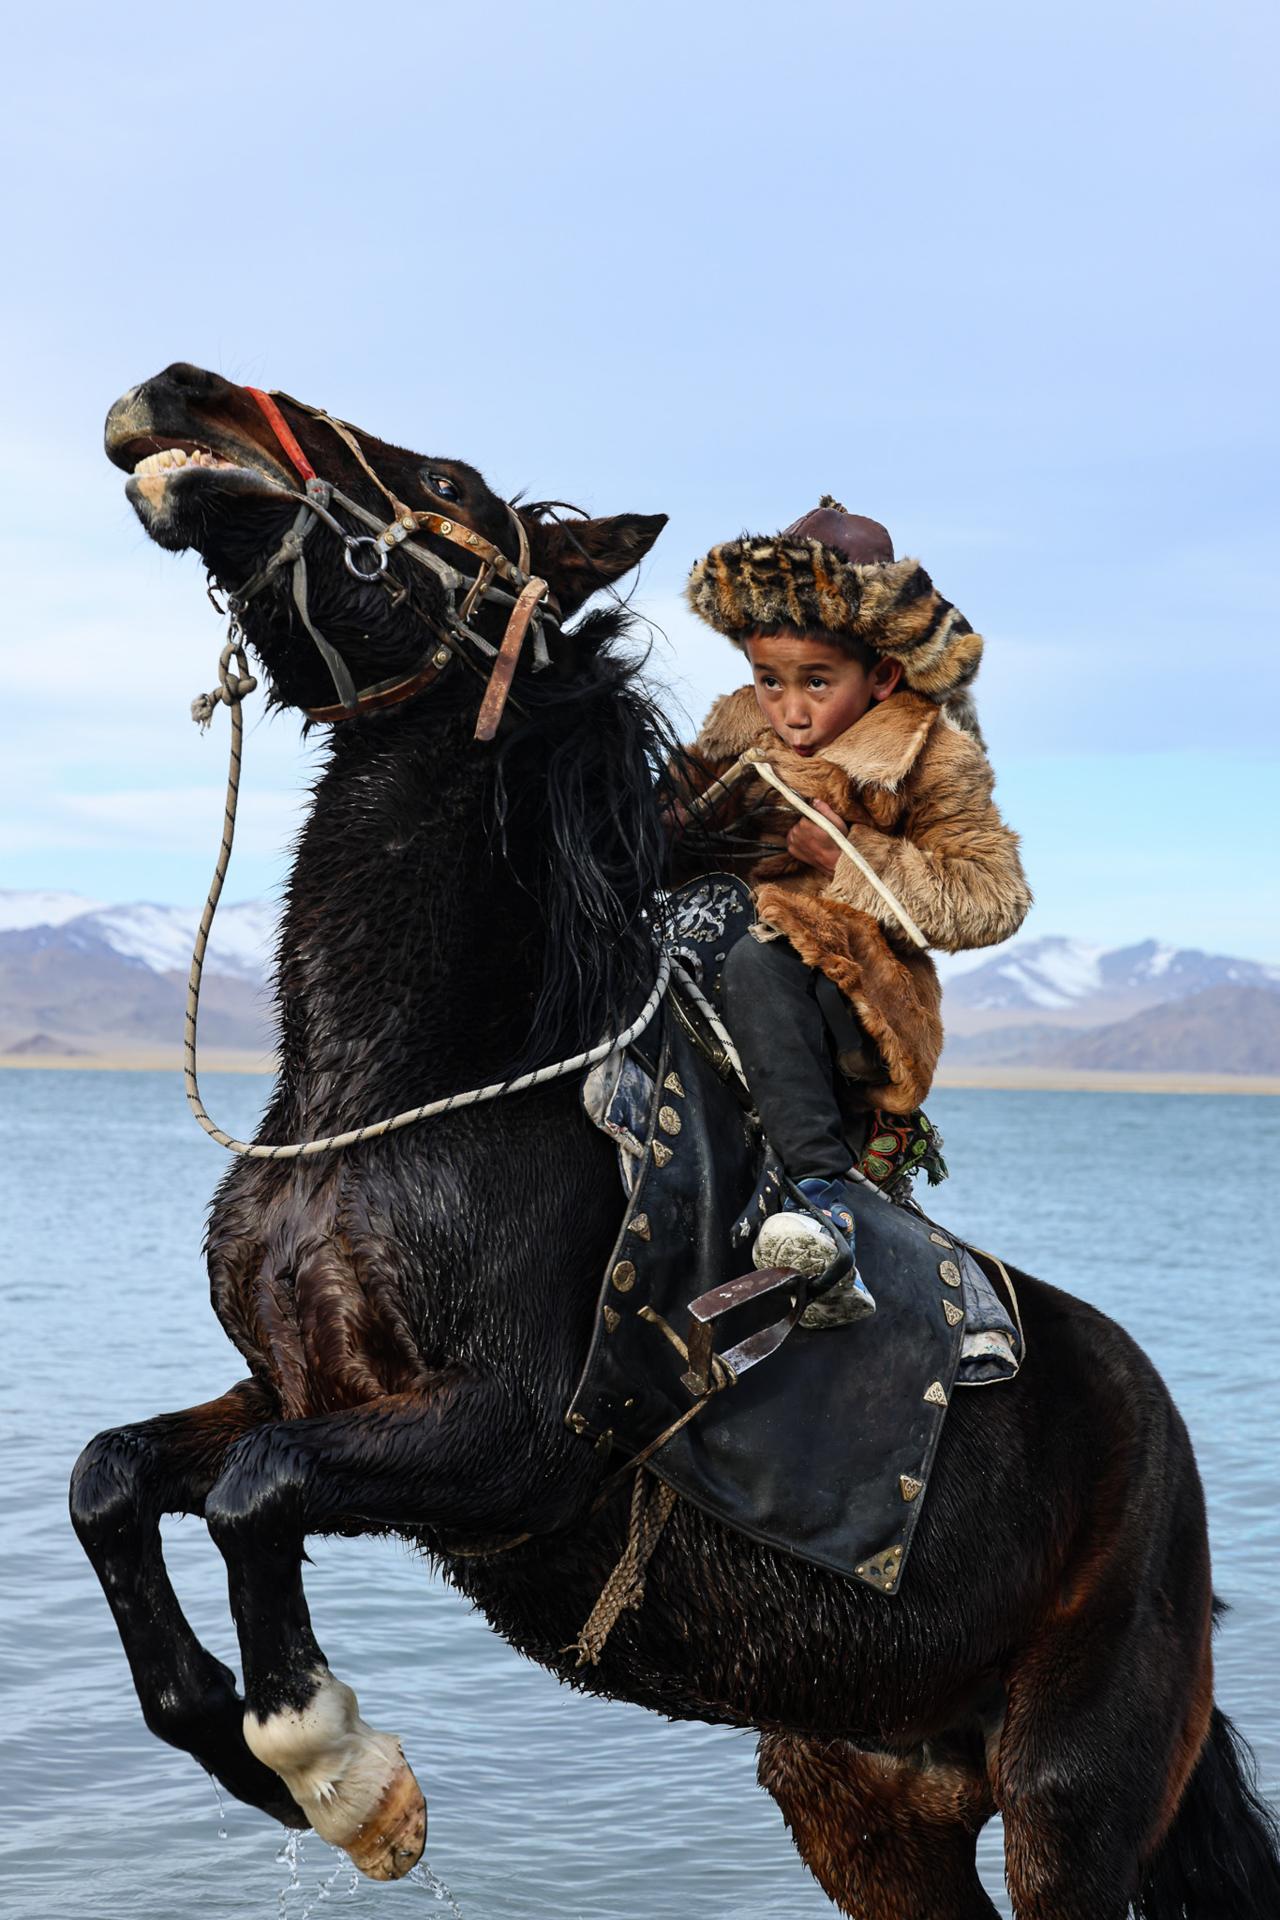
(582, 775)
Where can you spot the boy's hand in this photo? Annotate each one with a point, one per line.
(809, 843)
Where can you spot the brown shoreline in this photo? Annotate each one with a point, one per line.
(991, 1079)
(1097, 1080)
(142, 1060)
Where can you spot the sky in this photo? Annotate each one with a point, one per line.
(1002, 277)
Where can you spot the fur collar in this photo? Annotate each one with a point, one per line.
(879, 750)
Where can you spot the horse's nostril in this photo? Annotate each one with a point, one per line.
(186, 378)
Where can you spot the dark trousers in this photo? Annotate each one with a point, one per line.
(772, 1009)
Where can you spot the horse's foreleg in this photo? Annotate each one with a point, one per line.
(461, 1456)
(122, 1483)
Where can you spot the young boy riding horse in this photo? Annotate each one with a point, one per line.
(859, 701)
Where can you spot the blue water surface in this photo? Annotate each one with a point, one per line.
(542, 1803)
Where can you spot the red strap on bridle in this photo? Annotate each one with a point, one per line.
(283, 433)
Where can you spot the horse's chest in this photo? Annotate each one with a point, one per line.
(315, 1292)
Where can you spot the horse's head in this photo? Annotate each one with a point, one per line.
(209, 470)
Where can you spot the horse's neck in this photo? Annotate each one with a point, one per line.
(410, 951)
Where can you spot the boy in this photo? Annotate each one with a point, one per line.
(859, 695)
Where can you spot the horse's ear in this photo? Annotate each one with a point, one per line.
(578, 557)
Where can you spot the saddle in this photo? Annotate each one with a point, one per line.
(705, 1364)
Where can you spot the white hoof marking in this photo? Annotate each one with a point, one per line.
(353, 1783)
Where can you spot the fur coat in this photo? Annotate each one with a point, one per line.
(916, 791)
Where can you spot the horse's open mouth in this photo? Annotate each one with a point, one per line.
(189, 430)
(158, 457)
(173, 454)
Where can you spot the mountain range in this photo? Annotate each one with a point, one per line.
(81, 978)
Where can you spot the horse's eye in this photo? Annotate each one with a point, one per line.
(443, 486)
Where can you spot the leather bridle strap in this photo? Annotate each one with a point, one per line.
(532, 597)
(283, 432)
(504, 667)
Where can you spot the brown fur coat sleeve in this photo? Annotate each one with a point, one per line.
(951, 859)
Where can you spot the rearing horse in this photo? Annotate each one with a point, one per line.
(414, 1312)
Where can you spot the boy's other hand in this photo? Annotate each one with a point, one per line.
(806, 841)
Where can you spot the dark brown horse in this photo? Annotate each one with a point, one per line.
(413, 1313)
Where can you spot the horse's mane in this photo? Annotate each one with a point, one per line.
(581, 781)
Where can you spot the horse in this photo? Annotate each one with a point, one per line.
(413, 1311)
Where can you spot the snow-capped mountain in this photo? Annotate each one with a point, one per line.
(1054, 975)
(78, 977)
(159, 938)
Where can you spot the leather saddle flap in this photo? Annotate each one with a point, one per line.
(824, 1449)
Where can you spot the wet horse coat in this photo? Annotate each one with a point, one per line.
(413, 1316)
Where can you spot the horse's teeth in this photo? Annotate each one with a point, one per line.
(170, 458)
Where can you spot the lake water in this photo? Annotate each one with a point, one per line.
(541, 1803)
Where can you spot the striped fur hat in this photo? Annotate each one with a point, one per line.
(834, 571)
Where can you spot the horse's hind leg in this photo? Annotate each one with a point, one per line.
(123, 1482)
(1105, 1721)
(886, 1838)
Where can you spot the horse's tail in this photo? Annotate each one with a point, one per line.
(1221, 1856)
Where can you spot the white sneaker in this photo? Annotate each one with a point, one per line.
(799, 1241)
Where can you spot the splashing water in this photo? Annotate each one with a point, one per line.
(422, 1876)
(298, 1902)
(290, 1855)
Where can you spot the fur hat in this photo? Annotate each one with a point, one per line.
(835, 571)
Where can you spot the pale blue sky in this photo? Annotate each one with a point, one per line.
(1003, 277)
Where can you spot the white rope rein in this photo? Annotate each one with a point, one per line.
(842, 840)
(687, 984)
(231, 691)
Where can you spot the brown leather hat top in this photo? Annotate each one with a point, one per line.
(862, 541)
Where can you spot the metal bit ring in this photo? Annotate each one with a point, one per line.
(349, 545)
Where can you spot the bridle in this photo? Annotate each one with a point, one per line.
(365, 555)
(531, 606)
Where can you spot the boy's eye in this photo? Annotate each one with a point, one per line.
(817, 681)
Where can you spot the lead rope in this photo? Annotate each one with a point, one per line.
(624, 1589)
(231, 691)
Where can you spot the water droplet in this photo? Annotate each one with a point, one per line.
(222, 1808)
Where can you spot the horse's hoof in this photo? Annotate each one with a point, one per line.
(392, 1841)
(353, 1783)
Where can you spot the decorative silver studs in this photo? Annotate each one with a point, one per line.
(578, 1421)
(612, 1319)
(640, 1227)
(954, 1313)
(669, 1120)
(673, 1084)
(949, 1273)
(661, 1154)
(624, 1276)
(935, 1395)
(939, 1239)
(911, 1487)
(440, 658)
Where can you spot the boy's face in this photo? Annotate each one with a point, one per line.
(810, 691)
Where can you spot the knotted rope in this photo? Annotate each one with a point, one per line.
(624, 1589)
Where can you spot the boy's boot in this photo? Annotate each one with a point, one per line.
(795, 1239)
